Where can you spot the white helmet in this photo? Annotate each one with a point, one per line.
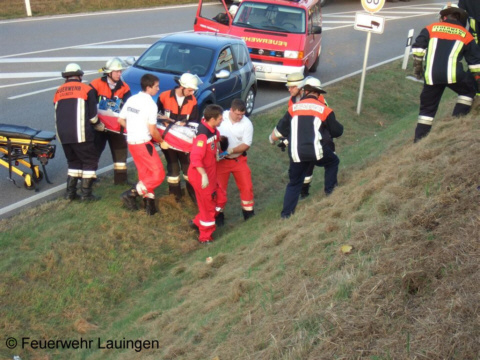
(313, 83)
(190, 81)
(72, 70)
(294, 79)
(115, 64)
(233, 10)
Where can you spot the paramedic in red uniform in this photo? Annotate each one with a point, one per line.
(139, 118)
(309, 126)
(443, 45)
(203, 173)
(294, 86)
(238, 129)
(111, 87)
(179, 105)
(76, 121)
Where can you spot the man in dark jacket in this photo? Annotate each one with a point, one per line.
(309, 125)
(76, 131)
(443, 45)
(472, 7)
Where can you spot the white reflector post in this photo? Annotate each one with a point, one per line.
(29, 9)
(408, 47)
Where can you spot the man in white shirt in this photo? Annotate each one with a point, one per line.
(139, 118)
(238, 129)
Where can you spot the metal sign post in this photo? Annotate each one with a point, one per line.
(369, 23)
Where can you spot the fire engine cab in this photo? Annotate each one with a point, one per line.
(282, 36)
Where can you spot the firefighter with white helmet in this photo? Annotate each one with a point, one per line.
(179, 106)
(76, 131)
(111, 89)
(443, 45)
(304, 118)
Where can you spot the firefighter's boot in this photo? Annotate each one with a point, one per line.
(71, 193)
(191, 192)
(305, 191)
(120, 177)
(421, 131)
(176, 191)
(247, 214)
(220, 219)
(150, 208)
(129, 199)
(87, 195)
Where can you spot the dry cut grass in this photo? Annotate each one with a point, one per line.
(408, 290)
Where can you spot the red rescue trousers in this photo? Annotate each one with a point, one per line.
(207, 201)
(149, 165)
(243, 178)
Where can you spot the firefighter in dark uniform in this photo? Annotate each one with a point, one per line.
(76, 131)
(179, 105)
(110, 87)
(309, 127)
(294, 82)
(443, 45)
(472, 7)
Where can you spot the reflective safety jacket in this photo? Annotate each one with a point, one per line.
(102, 89)
(472, 7)
(75, 112)
(443, 45)
(308, 125)
(188, 111)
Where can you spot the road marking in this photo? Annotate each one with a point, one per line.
(115, 47)
(57, 59)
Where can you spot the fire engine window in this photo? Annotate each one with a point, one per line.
(241, 55)
(225, 61)
(271, 17)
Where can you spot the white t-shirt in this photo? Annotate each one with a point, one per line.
(139, 111)
(237, 133)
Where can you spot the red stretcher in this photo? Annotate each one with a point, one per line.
(20, 145)
(178, 137)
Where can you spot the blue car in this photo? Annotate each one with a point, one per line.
(222, 62)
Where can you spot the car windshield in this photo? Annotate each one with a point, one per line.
(270, 17)
(176, 58)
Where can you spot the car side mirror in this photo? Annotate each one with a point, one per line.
(222, 74)
(129, 60)
(316, 30)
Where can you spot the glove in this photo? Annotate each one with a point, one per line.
(418, 68)
(222, 155)
(99, 126)
(229, 151)
(271, 140)
(204, 181)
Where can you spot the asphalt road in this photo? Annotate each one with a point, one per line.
(33, 52)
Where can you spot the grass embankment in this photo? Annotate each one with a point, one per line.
(16, 8)
(275, 289)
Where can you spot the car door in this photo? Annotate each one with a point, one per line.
(313, 43)
(229, 87)
(214, 17)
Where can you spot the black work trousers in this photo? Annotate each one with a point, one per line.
(297, 172)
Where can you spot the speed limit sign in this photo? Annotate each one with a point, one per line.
(373, 6)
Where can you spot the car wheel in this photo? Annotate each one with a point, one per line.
(250, 101)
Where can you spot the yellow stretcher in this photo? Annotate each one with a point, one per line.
(20, 145)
